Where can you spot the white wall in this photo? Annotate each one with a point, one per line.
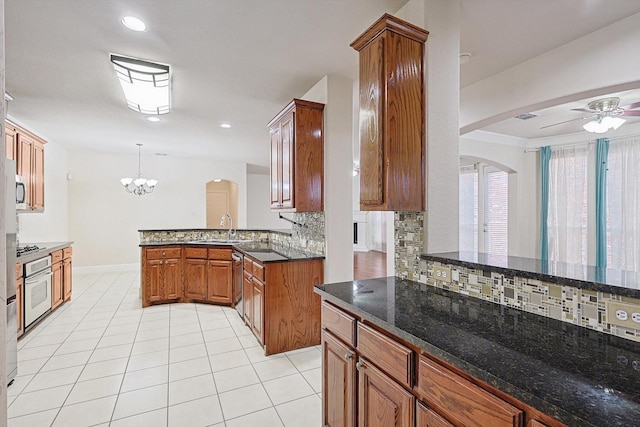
(259, 215)
(53, 224)
(104, 219)
(598, 63)
(442, 67)
(336, 92)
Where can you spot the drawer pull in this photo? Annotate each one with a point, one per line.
(163, 253)
(360, 365)
(348, 356)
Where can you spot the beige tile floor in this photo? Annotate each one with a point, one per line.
(102, 360)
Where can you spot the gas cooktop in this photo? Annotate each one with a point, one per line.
(21, 250)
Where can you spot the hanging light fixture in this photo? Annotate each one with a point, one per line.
(146, 85)
(603, 123)
(139, 186)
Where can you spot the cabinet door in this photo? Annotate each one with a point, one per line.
(24, 164)
(10, 141)
(56, 285)
(287, 163)
(258, 310)
(276, 170)
(66, 279)
(247, 298)
(20, 304)
(220, 281)
(152, 281)
(338, 383)
(426, 417)
(38, 176)
(382, 402)
(195, 279)
(172, 279)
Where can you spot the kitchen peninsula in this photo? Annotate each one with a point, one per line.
(265, 275)
(484, 341)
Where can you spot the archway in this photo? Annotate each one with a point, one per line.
(222, 198)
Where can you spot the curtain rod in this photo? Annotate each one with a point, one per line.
(580, 144)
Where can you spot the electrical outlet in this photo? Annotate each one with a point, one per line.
(442, 273)
(622, 314)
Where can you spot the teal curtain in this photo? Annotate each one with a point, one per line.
(545, 156)
(602, 154)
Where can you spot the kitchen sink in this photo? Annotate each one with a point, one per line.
(223, 241)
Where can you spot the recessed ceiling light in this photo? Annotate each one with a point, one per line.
(153, 119)
(225, 125)
(133, 23)
(217, 180)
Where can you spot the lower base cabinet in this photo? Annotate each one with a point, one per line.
(367, 382)
(57, 293)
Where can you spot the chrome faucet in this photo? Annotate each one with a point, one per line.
(232, 232)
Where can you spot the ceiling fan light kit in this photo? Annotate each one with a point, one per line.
(603, 124)
(605, 114)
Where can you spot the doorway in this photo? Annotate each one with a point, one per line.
(222, 198)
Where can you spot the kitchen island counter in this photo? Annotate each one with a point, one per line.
(575, 375)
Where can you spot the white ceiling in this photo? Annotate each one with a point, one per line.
(236, 61)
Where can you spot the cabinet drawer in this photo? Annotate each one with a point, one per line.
(220, 254)
(56, 256)
(67, 252)
(339, 323)
(18, 271)
(160, 253)
(463, 401)
(258, 271)
(391, 356)
(198, 253)
(248, 265)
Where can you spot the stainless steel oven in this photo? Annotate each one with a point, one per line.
(37, 289)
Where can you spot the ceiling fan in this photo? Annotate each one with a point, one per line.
(604, 114)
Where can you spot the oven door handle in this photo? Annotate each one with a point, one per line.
(38, 277)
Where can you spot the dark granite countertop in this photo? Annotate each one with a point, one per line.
(262, 251)
(45, 249)
(618, 282)
(576, 375)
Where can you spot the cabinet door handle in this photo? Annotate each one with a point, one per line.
(163, 253)
(360, 365)
(348, 356)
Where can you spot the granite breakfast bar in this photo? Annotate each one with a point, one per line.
(550, 369)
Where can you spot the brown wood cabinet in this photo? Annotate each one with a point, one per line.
(195, 278)
(57, 293)
(208, 275)
(389, 394)
(28, 151)
(162, 272)
(220, 281)
(338, 383)
(11, 140)
(280, 305)
(392, 116)
(297, 157)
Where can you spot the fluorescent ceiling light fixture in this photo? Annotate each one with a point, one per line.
(603, 124)
(146, 85)
(153, 118)
(133, 23)
(225, 125)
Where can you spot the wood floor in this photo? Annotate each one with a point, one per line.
(368, 265)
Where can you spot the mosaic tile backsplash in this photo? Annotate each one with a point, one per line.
(580, 307)
(307, 235)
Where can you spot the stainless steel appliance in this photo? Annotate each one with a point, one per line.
(238, 282)
(21, 192)
(10, 229)
(37, 290)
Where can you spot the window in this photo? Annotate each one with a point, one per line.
(567, 220)
(483, 200)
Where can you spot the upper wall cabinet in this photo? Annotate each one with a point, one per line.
(392, 116)
(28, 152)
(297, 157)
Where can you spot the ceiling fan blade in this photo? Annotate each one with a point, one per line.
(584, 110)
(567, 121)
(632, 106)
(631, 113)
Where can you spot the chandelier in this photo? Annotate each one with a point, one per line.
(139, 186)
